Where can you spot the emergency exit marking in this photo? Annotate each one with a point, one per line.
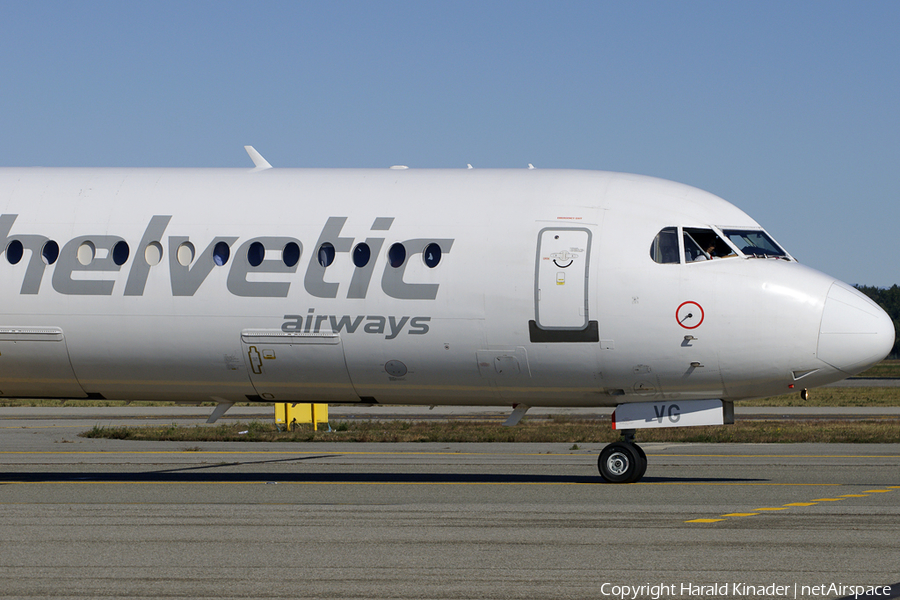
(689, 315)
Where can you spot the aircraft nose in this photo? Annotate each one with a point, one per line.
(855, 333)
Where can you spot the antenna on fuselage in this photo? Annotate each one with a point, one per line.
(257, 159)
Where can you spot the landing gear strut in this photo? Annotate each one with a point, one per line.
(624, 461)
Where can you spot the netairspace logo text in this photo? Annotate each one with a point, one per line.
(740, 590)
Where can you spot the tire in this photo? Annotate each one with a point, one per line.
(642, 468)
(622, 462)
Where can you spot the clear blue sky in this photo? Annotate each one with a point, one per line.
(790, 110)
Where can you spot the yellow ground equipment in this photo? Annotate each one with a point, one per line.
(289, 415)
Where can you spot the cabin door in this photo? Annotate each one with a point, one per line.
(561, 278)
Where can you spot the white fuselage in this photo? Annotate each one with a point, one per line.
(517, 286)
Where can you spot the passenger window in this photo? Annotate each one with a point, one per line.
(291, 254)
(120, 253)
(361, 255)
(326, 254)
(14, 251)
(432, 255)
(754, 242)
(50, 252)
(153, 253)
(664, 248)
(704, 244)
(221, 253)
(86, 253)
(397, 255)
(255, 254)
(184, 254)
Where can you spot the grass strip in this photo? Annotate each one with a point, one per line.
(886, 368)
(818, 397)
(554, 430)
(826, 397)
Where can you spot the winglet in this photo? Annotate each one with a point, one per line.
(257, 158)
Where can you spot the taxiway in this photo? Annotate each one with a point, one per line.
(106, 518)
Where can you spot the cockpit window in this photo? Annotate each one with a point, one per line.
(692, 250)
(664, 248)
(754, 243)
(704, 244)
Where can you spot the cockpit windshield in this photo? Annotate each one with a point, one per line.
(754, 243)
(704, 244)
(664, 248)
(685, 245)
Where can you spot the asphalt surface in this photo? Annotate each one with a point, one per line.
(104, 518)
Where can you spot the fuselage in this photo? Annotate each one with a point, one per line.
(406, 286)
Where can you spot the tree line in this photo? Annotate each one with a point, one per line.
(889, 300)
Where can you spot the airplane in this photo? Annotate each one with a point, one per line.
(500, 287)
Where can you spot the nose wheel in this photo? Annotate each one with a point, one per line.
(622, 462)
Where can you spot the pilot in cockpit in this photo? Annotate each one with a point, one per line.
(704, 244)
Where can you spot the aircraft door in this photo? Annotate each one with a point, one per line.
(561, 285)
(297, 367)
(34, 363)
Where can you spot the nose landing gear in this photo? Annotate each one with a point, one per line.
(623, 461)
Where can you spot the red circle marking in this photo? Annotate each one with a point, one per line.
(678, 310)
